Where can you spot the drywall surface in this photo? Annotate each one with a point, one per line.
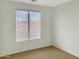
(8, 28)
(66, 27)
(1, 16)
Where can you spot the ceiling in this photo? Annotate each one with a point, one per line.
(49, 3)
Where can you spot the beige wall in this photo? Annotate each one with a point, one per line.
(66, 27)
(8, 29)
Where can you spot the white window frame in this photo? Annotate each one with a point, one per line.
(29, 23)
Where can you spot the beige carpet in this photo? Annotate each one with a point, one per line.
(43, 53)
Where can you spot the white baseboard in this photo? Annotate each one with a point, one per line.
(72, 53)
(42, 47)
(3, 55)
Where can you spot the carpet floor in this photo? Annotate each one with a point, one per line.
(43, 53)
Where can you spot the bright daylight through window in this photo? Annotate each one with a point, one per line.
(28, 25)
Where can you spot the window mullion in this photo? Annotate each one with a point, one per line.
(28, 25)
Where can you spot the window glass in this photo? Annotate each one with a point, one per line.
(28, 25)
(35, 25)
(21, 25)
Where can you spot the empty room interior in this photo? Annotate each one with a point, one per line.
(39, 29)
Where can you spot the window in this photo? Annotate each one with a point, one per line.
(28, 25)
(35, 25)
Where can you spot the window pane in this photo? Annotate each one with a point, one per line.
(35, 25)
(21, 25)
